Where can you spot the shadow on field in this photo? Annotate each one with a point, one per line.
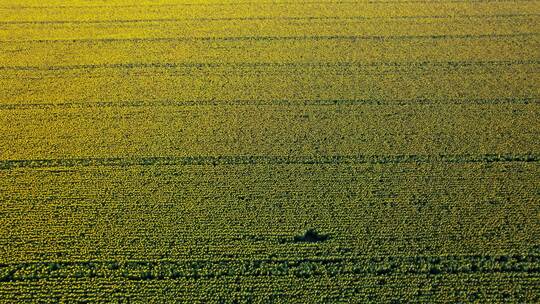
(311, 236)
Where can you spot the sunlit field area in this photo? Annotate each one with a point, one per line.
(269, 151)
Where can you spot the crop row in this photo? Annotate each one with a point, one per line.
(247, 160)
(328, 267)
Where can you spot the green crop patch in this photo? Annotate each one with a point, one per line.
(216, 151)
